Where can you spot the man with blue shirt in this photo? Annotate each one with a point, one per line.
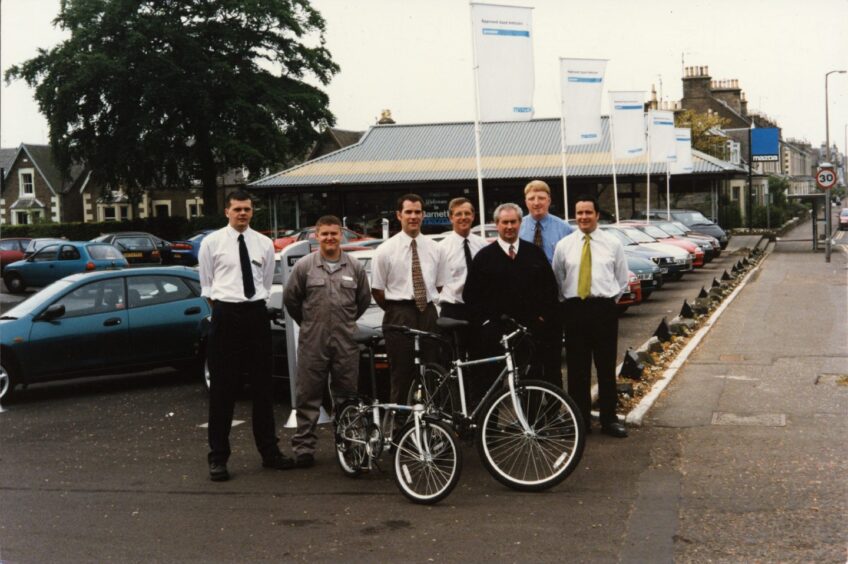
(545, 231)
(538, 226)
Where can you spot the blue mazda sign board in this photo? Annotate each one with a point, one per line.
(765, 144)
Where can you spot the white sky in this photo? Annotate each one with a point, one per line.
(414, 56)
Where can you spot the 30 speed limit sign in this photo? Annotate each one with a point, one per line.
(826, 179)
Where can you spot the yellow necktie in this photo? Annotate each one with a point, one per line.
(584, 277)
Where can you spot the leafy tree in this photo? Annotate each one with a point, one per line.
(155, 93)
(701, 124)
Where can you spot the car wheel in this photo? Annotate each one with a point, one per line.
(14, 282)
(7, 384)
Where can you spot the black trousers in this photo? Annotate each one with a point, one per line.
(460, 335)
(240, 344)
(591, 333)
(400, 348)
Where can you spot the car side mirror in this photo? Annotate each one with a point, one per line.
(53, 312)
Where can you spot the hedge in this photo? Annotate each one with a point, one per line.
(169, 228)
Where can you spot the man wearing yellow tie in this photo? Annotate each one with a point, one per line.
(591, 272)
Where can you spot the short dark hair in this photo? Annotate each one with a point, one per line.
(588, 198)
(409, 198)
(239, 195)
(456, 202)
(327, 220)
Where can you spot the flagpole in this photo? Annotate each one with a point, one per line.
(667, 190)
(564, 149)
(648, 167)
(482, 211)
(614, 178)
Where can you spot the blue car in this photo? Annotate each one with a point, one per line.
(105, 322)
(60, 259)
(185, 252)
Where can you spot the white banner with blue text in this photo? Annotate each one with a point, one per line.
(683, 142)
(627, 115)
(503, 51)
(581, 84)
(661, 133)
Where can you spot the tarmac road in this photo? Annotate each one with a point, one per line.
(114, 470)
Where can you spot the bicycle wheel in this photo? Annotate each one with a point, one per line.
(541, 458)
(351, 439)
(427, 473)
(427, 390)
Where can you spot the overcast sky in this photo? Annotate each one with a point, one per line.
(414, 56)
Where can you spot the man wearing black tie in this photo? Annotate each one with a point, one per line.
(511, 277)
(458, 249)
(591, 272)
(236, 271)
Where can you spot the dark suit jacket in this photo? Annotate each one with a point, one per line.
(523, 288)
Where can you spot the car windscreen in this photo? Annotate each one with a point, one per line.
(104, 252)
(37, 300)
(654, 231)
(844, 213)
(671, 228)
(198, 236)
(692, 218)
(625, 240)
(637, 235)
(134, 243)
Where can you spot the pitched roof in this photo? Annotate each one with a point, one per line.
(445, 151)
(7, 159)
(41, 157)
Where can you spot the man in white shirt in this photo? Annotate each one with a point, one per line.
(404, 282)
(236, 271)
(458, 250)
(591, 272)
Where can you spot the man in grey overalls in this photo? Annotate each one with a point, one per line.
(325, 294)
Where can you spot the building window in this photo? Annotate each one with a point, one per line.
(161, 209)
(193, 210)
(23, 218)
(26, 178)
(125, 213)
(109, 213)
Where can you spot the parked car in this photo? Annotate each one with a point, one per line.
(12, 250)
(105, 322)
(693, 219)
(633, 295)
(681, 260)
(137, 247)
(348, 236)
(185, 252)
(38, 243)
(661, 236)
(843, 219)
(58, 260)
(680, 229)
(648, 273)
(663, 258)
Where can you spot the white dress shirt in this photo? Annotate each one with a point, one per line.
(505, 246)
(609, 265)
(391, 267)
(453, 270)
(219, 263)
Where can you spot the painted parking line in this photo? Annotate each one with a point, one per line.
(236, 422)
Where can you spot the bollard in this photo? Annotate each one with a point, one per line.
(725, 276)
(716, 283)
(663, 333)
(631, 368)
(686, 311)
(702, 293)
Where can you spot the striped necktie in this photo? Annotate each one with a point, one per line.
(419, 290)
(537, 235)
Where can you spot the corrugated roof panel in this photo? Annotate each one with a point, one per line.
(445, 151)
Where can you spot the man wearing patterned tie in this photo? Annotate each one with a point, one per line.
(405, 283)
(510, 277)
(538, 226)
(236, 271)
(591, 273)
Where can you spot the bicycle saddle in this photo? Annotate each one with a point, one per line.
(449, 323)
(365, 335)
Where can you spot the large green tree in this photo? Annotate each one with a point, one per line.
(702, 137)
(170, 92)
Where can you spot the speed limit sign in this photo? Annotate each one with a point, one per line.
(826, 178)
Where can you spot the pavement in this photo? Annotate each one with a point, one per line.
(741, 459)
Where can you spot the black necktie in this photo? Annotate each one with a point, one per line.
(246, 271)
(537, 235)
(467, 248)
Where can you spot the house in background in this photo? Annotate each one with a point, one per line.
(34, 188)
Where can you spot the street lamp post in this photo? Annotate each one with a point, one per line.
(827, 212)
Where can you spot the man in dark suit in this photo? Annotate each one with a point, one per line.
(512, 277)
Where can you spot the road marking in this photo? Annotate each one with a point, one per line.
(236, 422)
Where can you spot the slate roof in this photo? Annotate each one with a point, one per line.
(42, 159)
(397, 153)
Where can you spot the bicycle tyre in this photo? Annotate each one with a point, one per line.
(430, 480)
(351, 434)
(532, 462)
(445, 402)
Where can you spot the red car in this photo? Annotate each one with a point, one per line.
(348, 236)
(12, 249)
(633, 295)
(663, 237)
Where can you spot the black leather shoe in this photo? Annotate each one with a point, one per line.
(304, 461)
(278, 462)
(218, 472)
(614, 429)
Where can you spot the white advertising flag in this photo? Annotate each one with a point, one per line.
(581, 85)
(661, 132)
(627, 115)
(503, 52)
(683, 142)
